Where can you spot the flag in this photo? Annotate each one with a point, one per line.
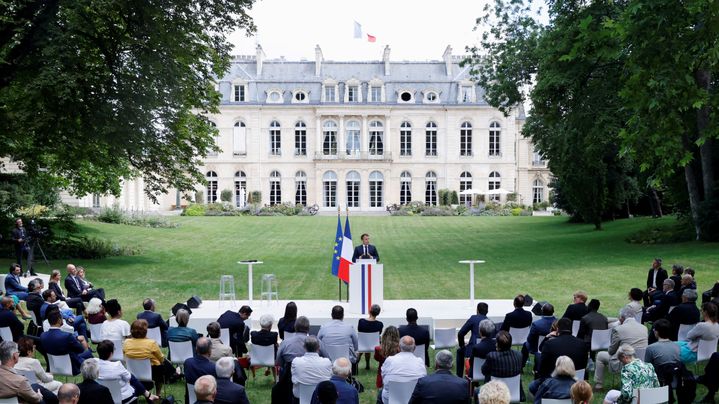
(371, 38)
(337, 248)
(358, 33)
(347, 252)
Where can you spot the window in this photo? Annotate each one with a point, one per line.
(405, 139)
(352, 134)
(330, 93)
(300, 96)
(301, 188)
(430, 143)
(353, 189)
(300, 139)
(537, 191)
(211, 178)
(274, 97)
(466, 94)
(376, 134)
(430, 188)
(329, 138)
(405, 188)
(95, 201)
(275, 139)
(537, 159)
(239, 139)
(465, 139)
(238, 93)
(431, 97)
(352, 93)
(275, 188)
(405, 96)
(329, 188)
(465, 182)
(376, 94)
(375, 189)
(494, 137)
(214, 153)
(495, 182)
(240, 189)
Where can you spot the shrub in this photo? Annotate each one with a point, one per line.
(516, 211)
(194, 209)
(254, 197)
(664, 233)
(86, 248)
(199, 197)
(438, 211)
(226, 195)
(443, 195)
(281, 209)
(454, 199)
(111, 215)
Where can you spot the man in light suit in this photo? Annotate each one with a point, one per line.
(629, 331)
(365, 250)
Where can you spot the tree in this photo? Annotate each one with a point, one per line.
(96, 91)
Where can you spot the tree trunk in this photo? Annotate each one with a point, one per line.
(694, 197)
(655, 203)
(703, 80)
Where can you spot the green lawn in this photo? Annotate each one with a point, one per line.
(543, 256)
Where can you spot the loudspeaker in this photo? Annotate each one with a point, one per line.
(537, 309)
(194, 302)
(180, 306)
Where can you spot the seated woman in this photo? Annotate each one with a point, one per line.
(557, 386)
(706, 330)
(389, 346)
(115, 328)
(504, 362)
(141, 347)
(485, 344)
(635, 375)
(370, 324)
(287, 322)
(27, 362)
(265, 337)
(95, 311)
(129, 385)
(581, 392)
(182, 332)
(54, 285)
(87, 285)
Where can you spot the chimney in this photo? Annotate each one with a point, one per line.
(385, 59)
(318, 60)
(260, 57)
(447, 56)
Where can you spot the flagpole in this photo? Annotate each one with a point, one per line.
(339, 281)
(347, 207)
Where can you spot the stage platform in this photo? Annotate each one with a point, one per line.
(434, 313)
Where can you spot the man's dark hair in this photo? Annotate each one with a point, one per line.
(504, 341)
(547, 309)
(327, 392)
(338, 313)
(482, 308)
(678, 269)
(12, 267)
(246, 310)
(593, 305)
(636, 294)
(203, 346)
(46, 294)
(105, 349)
(112, 307)
(53, 316)
(31, 285)
(663, 328)
(312, 344)
(564, 325)
(213, 329)
(147, 304)
(302, 325)
(519, 301)
(363, 236)
(412, 315)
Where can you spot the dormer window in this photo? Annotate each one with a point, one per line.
(466, 92)
(352, 91)
(274, 97)
(431, 97)
(239, 93)
(329, 91)
(300, 97)
(375, 92)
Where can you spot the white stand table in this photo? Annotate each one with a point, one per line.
(249, 275)
(471, 277)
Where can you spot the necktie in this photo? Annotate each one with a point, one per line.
(365, 250)
(77, 283)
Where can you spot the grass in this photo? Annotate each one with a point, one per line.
(543, 256)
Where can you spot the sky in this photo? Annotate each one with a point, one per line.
(414, 30)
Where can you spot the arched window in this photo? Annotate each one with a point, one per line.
(352, 134)
(300, 139)
(405, 139)
(329, 188)
(239, 139)
(430, 188)
(211, 178)
(301, 188)
(430, 142)
(495, 132)
(376, 181)
(240, 189)
(495, 182)
(376, 138)
(353, 189)
(465, 139)
(405, 188)
(537, 191)
(465, 182)
(275, 139)
(275, 188)
(329, 138)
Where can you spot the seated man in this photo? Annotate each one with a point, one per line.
(92, 392)
(153, 319)
(34, 300)
(265, 337)
(504, 362)
(485, 345)
(402, 367)
(206, 389)
(519, 318)
(200, 364)
(686, 313)
(663, 354)
(419, 334)
(341, 371)
(594, 320)
(294, 346)
(239, 331)
(339, 333)
(108, 370)
(563, 344)
(8, 318)
(662, 301)
(578, 308)
(629, 332)
(75, 286)
(73, 323)
(219, 350)
(13, 287)
(310, 368)
(442, 386)
(58, 342)
(68, 393)
(227, 391)
(11, 383)
(540, 328)
(472, 324)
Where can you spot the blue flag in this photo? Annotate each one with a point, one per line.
(337, 248)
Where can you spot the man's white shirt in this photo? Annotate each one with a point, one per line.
(310, 369)
(402, 367)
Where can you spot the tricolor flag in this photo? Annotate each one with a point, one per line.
(359, 35)
(347, 252)
(337, 249)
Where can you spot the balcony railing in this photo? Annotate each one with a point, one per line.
(539, 163)
(364, 155)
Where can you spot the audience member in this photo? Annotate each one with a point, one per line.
(69, 393)
(13, 286)
(401, 367)
(485, 345)
(504, 362)
(227, 391)
(655, 276)
(140, 347)
(294, 347)
(326, 393)
(662, 302)
(76, 288)
(635, 375)
(369, 325)
(687, 283)
(628, 332)
(75, 323)
(564, 343)
(686, 313)
(54, 285)
(338, 333)
(239, 331)
(594, 320)
(286, 323)
(265, 336)
(205, 389)
(11, 383)
(420, 334)
(55, 341)
(558, 386)
(677, 272)
(471, 325)
(219, 349)
(95, 311)
(664, 351)
(88, 286)
(34, 299)
(578, 308)
(115, 328)
(109, 369)
(341, 371)
(389, 345)
(9, 319)
(182, 332)
(92, 392)
(442, 387)
(154, 320)
(707, 330)
(539, 328)
(310, 368)
(494, 392)
(635, 302)
(200, 364)
(27, 362)
(519, 318)
(581, 392)
(710, 378)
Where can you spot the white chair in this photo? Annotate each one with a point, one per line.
(140, 368)
(225, 336)
(400, 392)
(519, 335)
(420, 353)
(477, 375)
(706, 349)
(6, 334)
(35, 321)
(580, 374)
(640, 353)
(115, 389)
(96, 333)
(179, 351)
(444, 338)
(9, 400)
(575, 327)
(556, 401)
(366, 341)
(60, 364)
(513, 384)
(683, 331)
(289, 335)
(191, 393)
(261, 356)
(654, 395)
(601, 339)
(117, 354)
(337, 351)
(540, 339)
(2, 289)
(306, 391)
(156, 334)
(29, 375)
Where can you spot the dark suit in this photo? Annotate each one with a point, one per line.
(519, 318)
(155, 320)
(576, 311)
(685, 313)
(238, 332)
(472, 324)
(590, 322)
(480, 350)
(503, 364)
(73, 285)
(58, 342)
(198, 366)
(420, 335)
(14, 287)
(442, 387)
(33, 302)
(563, 344)
(264, 338)
(360, 251)
(92, 392)
(661, 276)
(21, 247)
(230, 393)
(346, 394)
(9, 319)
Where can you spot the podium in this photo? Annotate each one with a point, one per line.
(366, 285)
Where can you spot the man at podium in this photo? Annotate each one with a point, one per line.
(365, 250)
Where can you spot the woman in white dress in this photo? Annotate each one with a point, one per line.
(27, 362)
